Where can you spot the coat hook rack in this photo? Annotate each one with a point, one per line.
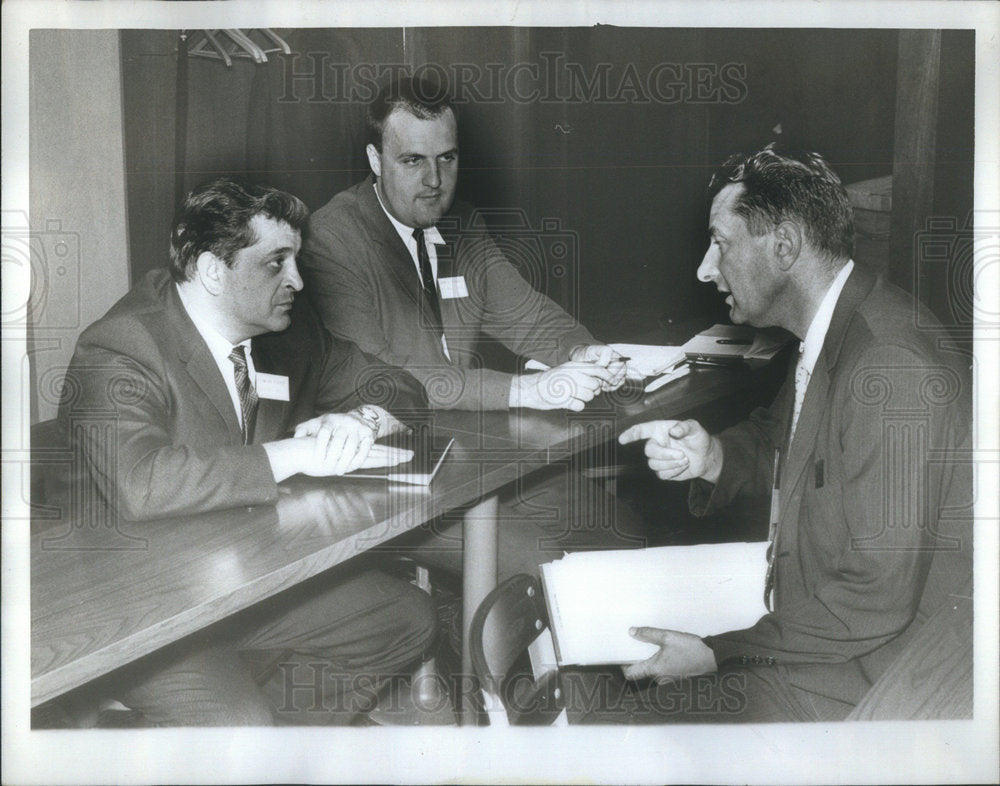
(227, 44)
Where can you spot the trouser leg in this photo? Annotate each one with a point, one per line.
(334, 648)
(200, 681)
(352, 628)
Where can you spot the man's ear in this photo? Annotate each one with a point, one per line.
(374, 160)
(209, 268)
(787, 244)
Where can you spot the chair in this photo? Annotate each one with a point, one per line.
(514, 657)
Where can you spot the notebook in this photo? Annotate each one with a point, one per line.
(429, 453)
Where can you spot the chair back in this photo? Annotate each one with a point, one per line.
(513, 655)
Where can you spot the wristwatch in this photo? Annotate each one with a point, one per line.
(371, 416)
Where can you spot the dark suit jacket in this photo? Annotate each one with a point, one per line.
(365, 286)
(152, 420)
(866, 547)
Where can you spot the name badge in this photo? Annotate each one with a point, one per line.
(453, 287)
(272, 386)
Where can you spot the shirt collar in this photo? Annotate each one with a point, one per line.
(816, 335)
(406, 233)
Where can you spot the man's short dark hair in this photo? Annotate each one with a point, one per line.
(216, 217)
(781, 186)
(421, 98)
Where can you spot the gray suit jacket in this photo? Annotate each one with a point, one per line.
(365, 285)
(875, 527)
(151, 419)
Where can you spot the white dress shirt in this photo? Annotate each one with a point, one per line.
(812, 344)
(432, 238)
(220, 348)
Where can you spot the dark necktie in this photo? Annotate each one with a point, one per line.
(248, 396)
(427, 277)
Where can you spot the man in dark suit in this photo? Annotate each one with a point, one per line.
(870, 525)
(396, 266)
(215, 384)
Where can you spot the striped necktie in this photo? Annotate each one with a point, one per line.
(248, 396)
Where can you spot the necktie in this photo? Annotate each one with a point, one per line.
(427, 276)
(248, 396)
(801, 383)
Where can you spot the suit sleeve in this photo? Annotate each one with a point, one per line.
(747, 457)
(350, 377)
(524, 319)
(866, 587)
(116, 411)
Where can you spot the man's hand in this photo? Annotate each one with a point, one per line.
(569, 386)
(604, 356)
(678, 449)
(300, 454)
(331, 444)
(680, 655)
(341, 441)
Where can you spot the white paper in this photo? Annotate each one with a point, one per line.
(645, 360)
(595, 597)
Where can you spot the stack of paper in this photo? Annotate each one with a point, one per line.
(595, 597)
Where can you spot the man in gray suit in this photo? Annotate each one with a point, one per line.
(870, 530)
(413, 278)
(217, 383)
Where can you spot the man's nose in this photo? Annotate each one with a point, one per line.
(709, 267)
(292, 278)
(432, 174)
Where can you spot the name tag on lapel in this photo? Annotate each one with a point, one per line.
(453, 287)
(272, 386)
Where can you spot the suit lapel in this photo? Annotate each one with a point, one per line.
(814, 406)
(394, 253)
(199, 364)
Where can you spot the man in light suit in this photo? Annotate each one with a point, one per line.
(416, 280)
(216, 384)
(871, 529)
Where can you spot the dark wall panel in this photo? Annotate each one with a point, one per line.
(605, 133)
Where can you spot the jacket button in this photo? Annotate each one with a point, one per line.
(744, 660)
(771, 661)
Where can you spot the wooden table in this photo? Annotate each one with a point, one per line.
(104, 596)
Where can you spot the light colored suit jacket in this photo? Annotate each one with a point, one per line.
(365, 285)
(875, 520)
(154, 427)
